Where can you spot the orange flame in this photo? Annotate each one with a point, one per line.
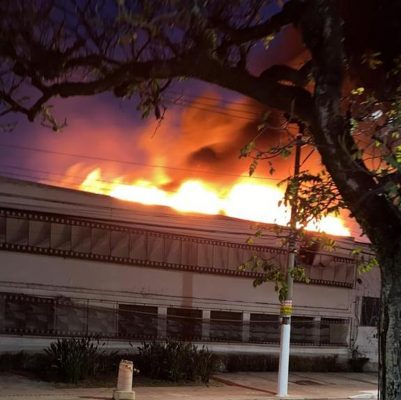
(244, 199)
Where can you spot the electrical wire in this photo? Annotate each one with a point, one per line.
(214, 111)
(213, 105)
(94, 158)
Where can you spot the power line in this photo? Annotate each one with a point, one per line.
(33, 149)
(211, 98)
(79, 179)
(193, 105)
(198, 100)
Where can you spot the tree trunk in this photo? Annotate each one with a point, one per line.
(377, 215)
(390, 327)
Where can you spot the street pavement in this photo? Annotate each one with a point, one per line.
(226, 386)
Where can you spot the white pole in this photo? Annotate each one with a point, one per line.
(284, 360)
(286, 304)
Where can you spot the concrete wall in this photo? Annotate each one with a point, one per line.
(106, 282)
(52, 276)
(365, 338)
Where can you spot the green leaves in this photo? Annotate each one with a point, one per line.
(372, 60)
(267, 40)
(270, 271)
(365, 262)
(252, 167)
(313, 195)
(247, 149)
(358, 91)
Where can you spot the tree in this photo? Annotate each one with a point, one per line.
(346, 92)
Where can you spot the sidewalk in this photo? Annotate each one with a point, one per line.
(233, 386)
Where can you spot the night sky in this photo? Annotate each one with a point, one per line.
(107, 127)
(203, 132)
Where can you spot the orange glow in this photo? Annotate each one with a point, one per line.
(256, 202)
(142, 191)
(244, 199)
(329, 224)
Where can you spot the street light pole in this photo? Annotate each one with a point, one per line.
(286, 304)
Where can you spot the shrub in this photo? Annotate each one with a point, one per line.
(12, 361)
(74, 358)
(206, 364)
(175, 361)
(22, 361)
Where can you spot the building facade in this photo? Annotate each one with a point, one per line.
(75, 263)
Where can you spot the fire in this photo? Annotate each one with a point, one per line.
(244, 199)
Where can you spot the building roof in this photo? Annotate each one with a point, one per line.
(26, 195)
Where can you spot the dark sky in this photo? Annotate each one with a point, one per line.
(106, 127)
(203, 132)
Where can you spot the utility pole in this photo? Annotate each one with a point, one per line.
(286, 304)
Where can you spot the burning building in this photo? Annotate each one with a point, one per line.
(76, 263)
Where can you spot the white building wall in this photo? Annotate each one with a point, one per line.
(98, 282)
(365, 339)
(54, 276)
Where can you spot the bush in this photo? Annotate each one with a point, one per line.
(74, 358)
(22, 361)
(13, 361)
(175, 361)
(206, 364)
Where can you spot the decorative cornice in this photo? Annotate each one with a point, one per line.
(148, 263)
(76, 221)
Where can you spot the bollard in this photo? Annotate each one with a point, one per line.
(124, 382)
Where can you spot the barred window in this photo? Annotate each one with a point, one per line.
(137, 321)
(302, 330)
(264, 328)
(334, 331)
(184, 323)
(27, 314)
(226, 325)
(370, 311)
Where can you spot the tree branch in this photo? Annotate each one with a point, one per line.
(290, 14)
(321, 28)
(285, 73)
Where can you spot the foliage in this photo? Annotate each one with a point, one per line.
(357, 360)
(176, 361)
(74, 358)
(23, 361)
(271, 271)
(365, 262)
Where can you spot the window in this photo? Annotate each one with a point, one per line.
(184, 323)
(137, 321)
(71, 316)
(226, 325)
(334, 331)
(101, 319)
(370, 311)
(302, 330)
(28, 314)
(264, 328)
(17, 231)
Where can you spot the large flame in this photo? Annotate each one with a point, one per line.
(243, 199)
